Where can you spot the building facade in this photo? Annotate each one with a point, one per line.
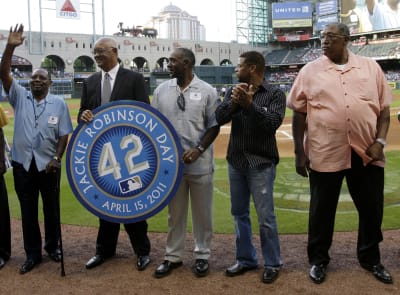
(177, 24)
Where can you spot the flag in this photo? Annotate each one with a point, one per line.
(69, 40)
(198, 47)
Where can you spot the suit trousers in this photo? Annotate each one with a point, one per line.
(108, 233)
(5, 227)
(28, 184)
(365, 185)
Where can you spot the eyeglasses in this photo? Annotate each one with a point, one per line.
(181, 102)
(102, 50)
(39, 77)
(331, 36)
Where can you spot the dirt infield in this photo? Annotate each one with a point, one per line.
(119, 276)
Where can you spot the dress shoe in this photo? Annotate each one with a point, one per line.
(96, 260)
(28, 265)
(238, 269)
(2, 262)
(270, 275)
(200, 267)
(317, 273)
(55, 255)
(165, 268)
(142, 262)
(380, 273)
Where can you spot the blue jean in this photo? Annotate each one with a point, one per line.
(259, 182)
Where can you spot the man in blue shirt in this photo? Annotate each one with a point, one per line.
(41, 127)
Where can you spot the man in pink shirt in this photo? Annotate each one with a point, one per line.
(340, 122)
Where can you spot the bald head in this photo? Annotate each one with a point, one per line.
(106, 41)
(106, 53)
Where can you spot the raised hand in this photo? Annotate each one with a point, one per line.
(15, 37)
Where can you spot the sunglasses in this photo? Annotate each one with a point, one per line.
(181, 102)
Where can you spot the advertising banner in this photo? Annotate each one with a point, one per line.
(291, 10)
(68, 9)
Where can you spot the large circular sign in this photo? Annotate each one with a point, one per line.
(124, 166)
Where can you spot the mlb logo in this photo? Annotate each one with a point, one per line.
(130, 184)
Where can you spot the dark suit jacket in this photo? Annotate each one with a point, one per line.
(128, 85)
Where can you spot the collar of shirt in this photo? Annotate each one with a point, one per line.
(353, 62)
(48, 99)
(113, 73)
(193, 84)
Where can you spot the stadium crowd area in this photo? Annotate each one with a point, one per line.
(285, 63)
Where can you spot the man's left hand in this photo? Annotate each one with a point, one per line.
(243, 95)
(375, 151)
(53, 166)
(191, 155)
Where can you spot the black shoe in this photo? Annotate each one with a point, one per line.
(142, 262)
(28, 265)
(238, 269)
(380, 273)
(165, 268)
(2, 262)
(55, 255)
(200, 267)
(317, 273)
(270, 275)
(96, 260)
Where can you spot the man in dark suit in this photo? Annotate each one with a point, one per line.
(113, 83)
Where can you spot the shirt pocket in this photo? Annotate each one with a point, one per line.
(195, 110)
(364, 89)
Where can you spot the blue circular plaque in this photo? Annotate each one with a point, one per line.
(124, 166)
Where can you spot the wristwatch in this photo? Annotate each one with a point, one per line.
(57, 159)
(381, 141)
(200, 148)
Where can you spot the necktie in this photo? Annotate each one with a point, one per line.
(106, 90)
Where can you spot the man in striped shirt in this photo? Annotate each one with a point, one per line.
(256, 110)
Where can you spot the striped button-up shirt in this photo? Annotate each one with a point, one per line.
(252, 141)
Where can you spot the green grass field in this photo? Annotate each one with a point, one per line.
(291, 198)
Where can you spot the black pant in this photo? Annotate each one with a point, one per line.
(365, 184)
(28, 184)
(5, 229)
(107, 237)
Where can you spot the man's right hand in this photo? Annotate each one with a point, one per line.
(87, 116)
(15, 37)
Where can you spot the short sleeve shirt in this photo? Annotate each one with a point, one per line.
(37, 126)
(201, 101)
(342, 106)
